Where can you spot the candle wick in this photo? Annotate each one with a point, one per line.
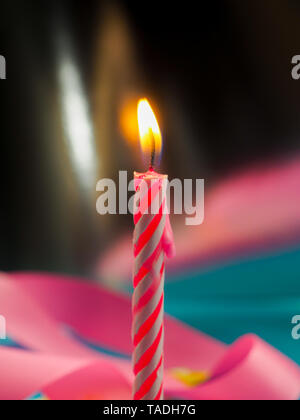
(152, 159)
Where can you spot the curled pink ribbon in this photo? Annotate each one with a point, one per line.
(56, 365)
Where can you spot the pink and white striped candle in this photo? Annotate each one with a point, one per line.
(153, 240)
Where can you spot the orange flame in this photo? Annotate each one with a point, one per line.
(150, 135)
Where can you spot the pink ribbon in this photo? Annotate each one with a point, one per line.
(254, 210)
(37, 306)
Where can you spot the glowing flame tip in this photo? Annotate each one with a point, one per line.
(150, 135)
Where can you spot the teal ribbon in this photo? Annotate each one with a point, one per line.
(258, 294)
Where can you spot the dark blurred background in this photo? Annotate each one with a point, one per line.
(218, 72)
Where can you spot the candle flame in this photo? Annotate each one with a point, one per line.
(150, 135)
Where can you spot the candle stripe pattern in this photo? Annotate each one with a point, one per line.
(148, 280)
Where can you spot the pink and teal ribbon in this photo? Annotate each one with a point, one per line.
(57, 364)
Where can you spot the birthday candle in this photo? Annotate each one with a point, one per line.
(153, 240)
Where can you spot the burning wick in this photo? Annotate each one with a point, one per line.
(152, 159)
